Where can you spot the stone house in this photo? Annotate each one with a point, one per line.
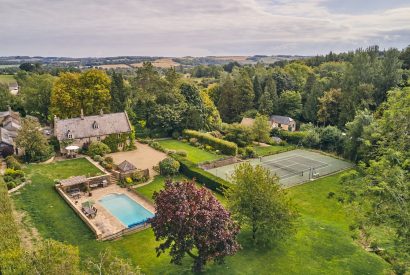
(10, 123)
(86, 129)
(283, 122)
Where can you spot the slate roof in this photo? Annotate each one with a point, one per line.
(281, 119)
(9, 125)
(92, 126)
(126, 166)
(73, 181)
(6, 136)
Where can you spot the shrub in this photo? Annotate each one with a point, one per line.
(97, 158)
(249, 152)
(290, 137)
(13, 177)
(168, 166)
(193, 141)
(98, 148)
(109, 160)
(208, 148)
(224, 146)
(156, 146)
(239, 134)
(13, 163)
(191, 170)
(176, 134)
(128, 180)
(181, 153)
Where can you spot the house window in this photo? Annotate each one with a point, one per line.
(95, 125)
(69, 134)
(279, 125)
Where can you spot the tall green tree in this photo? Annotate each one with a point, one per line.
(269, 101)
(257, 201)
(244, 91)
(194, 115)
(119, 93)
(329, 107)
(35, 91)
(89, 91)
(290, 104)
(227, 104)
(257, 89)
(261, 128)
(7, 99)
(32, 141)
(355, 147)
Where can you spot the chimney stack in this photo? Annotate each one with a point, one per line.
(82, 114)
(9, 108)
(101, 112)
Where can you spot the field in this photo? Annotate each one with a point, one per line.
(194, 154)
(113, 66)
(321, 245)
(158, 183)
(160, 63)
(7, 79)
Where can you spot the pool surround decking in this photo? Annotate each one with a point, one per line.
(104, 225)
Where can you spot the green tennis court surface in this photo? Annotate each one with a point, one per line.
(293, 167)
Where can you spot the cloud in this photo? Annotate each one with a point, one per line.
(201, 27)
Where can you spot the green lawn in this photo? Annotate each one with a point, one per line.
(194, 154)
(7, 79)
(271, 149)
(321, 245)
(156, 185)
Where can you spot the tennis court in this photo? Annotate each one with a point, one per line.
(293, 167)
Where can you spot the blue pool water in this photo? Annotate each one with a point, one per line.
(128, 211)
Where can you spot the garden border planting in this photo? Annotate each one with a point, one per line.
(226, 147)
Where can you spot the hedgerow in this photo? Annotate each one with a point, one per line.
(191, 170)
(226, 147)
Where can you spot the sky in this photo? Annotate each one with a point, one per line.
(81, 28)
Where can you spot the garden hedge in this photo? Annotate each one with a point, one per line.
(191, 170)
(226, 147)
(292, 137)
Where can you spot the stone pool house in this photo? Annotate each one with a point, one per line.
(86, 129)
(283, 122)
(9, 126)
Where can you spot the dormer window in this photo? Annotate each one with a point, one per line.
(69, 134)
(95, 125)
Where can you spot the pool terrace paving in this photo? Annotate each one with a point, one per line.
(105, 224)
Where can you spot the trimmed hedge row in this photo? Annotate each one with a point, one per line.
(226, 147)
(191, 170)
(292, 137)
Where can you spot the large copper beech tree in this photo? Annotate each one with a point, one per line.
(191, 221)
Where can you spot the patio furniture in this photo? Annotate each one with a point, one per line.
(94, 185)
(89, 212)
(104, 183)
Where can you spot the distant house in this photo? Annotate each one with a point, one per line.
(86, 129)
(9, 126)
(283, 122)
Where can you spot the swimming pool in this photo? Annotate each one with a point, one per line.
(128, 211)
